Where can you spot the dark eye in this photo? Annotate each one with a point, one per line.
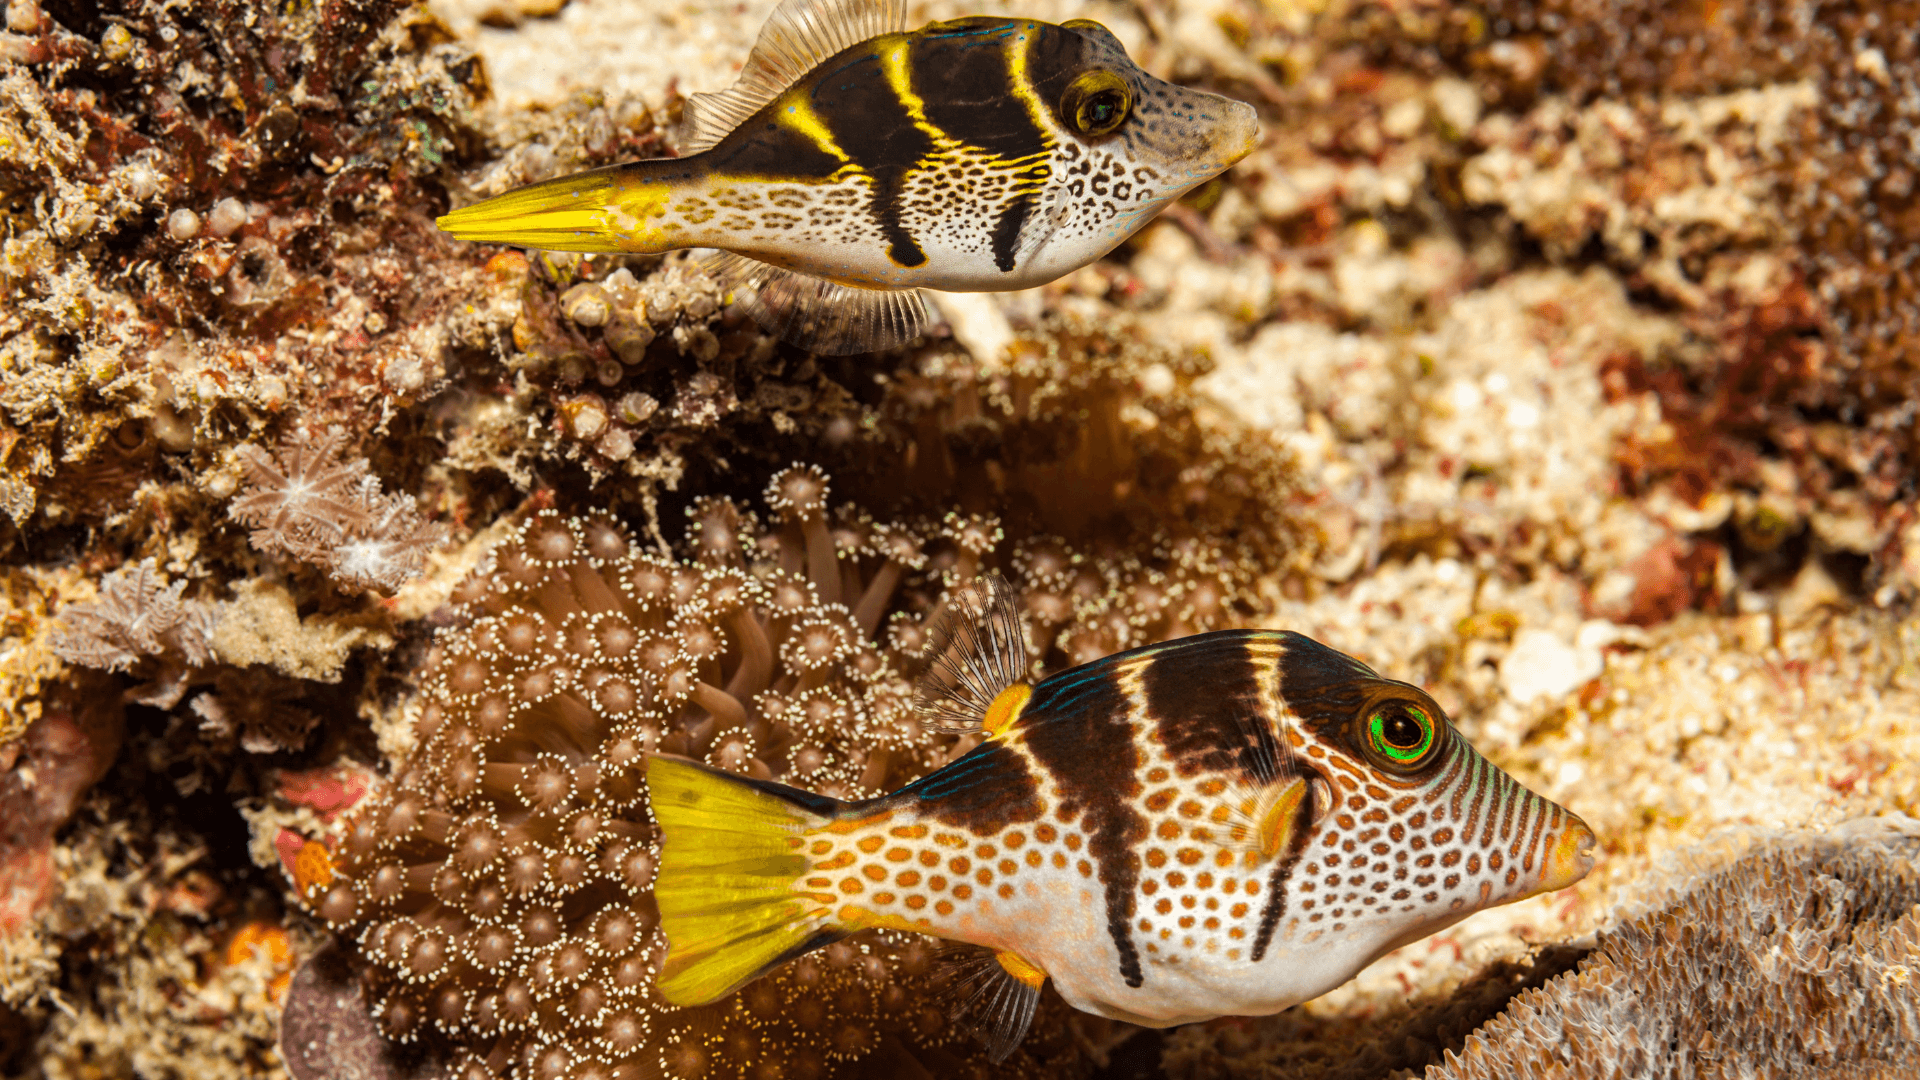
(1096, 103)
(1103, 107)
(1400, 735)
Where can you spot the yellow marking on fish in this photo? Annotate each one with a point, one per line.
(858, 918)
(852, 825)
(798, 115)
(1006, 709)
(893, 64)
(1020, 83)
(1022, 969)
(634, 204)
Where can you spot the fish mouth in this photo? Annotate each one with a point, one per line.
(1569, 859)
(1239, 133)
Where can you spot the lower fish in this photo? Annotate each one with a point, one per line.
(856, 162)
(1226, 824)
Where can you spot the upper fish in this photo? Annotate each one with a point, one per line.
(1225, 824)
(855, 162)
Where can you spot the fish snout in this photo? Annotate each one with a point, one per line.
(1570, 858)
(1239, 132)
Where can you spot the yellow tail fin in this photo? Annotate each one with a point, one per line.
(730, 851)
(610, 209)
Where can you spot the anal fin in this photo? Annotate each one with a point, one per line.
(975, 682)
(994, 995)
(818, 315)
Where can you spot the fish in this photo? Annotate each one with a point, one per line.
(855, 163)
(1223, 824)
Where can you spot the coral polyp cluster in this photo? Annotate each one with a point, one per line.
(499, 888)
(307, 503)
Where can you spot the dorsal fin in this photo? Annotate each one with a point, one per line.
(979, 650)
(798, 35)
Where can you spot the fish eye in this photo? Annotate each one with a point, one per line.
(1400, 735)
(1096, 103)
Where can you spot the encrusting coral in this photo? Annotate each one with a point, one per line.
(498, 888)
(1793, 959)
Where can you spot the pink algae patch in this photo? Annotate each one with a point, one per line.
(327, 791)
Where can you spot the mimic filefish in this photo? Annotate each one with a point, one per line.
(1225, 824)
(855, 162)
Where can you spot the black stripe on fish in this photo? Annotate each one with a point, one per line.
(1006, 231)
(1324, 687)
(984, 792)
(964, 73)
(871, 125)
(1076, 728)
(764, 147)
(1197, 692)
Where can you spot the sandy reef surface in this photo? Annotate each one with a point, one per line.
(1562, 359)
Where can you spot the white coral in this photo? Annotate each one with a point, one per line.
(308, 504)
(137, 615)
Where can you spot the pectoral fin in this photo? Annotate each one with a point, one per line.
(1261, 813)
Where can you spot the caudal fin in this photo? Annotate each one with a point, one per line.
(731, 849)
(610, 209)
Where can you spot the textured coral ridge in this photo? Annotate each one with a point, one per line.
(499, 887)
(1794, 959)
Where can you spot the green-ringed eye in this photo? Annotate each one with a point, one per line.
(1096, 103)
(1401, 735)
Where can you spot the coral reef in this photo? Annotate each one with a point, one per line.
(207, 211)
(1557, 357)
(499, 887)
(1818, 933)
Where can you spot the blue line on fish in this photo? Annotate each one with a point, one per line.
(856, 162)
(1226, 824)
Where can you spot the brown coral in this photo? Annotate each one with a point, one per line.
(498, 889)
(137, 615)
(141, 622)
(1806, 353)
(1086, 469)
